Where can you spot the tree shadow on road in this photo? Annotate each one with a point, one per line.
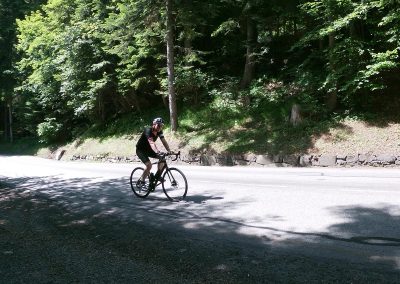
(173, 235)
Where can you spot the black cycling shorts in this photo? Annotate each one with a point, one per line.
(144, 155)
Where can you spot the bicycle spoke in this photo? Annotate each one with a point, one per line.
(174, 184)
(139, 189)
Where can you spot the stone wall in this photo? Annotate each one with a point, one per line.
(381, 160)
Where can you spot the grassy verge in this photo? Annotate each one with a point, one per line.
(229, 129)
(23, 146)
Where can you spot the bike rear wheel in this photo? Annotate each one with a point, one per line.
(174, 184)
(141, 191)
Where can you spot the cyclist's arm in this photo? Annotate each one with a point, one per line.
(152, 145)
(165, 144)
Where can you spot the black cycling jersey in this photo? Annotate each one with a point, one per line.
(143, 143)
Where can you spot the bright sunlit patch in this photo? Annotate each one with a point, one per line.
(221, 267)
(199, 224)
(80, 222)
(103, 200)
(394, 259)
(382, 241)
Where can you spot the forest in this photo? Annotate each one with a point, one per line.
(72, 66)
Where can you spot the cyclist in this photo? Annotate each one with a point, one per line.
(146, 148)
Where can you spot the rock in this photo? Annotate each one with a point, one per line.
(277, 158)
(59, 154)
(225, 160)
(327, 160)
(291, 160)
(264, 160)
(315, 161)
(240, 160)
(386, 159)
(362, 158)
(251, 158)
(341, 162)
(352, 159)
(207, 160)
(372, 159)
(305, 160)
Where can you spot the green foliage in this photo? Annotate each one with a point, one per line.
(49, 130)
(89, 62)
(353, 63)
(134, 34)
(226, 27)
(370, 77)
(192, 85)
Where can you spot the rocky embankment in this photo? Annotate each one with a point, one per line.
(280, 160)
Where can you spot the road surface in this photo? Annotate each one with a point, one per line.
(341, 217)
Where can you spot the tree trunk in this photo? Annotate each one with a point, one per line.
(165, 100)
(99, 111)
(249, 67)
(5, 121)
(10, 122)
(135, 102)
(170, 67)
(353, 29)
(331, 100)
(295, 115)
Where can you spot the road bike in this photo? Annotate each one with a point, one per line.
(172, 180)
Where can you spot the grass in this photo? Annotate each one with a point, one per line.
(127, 125)
(22, 146)
(237, 130)
(228, 129)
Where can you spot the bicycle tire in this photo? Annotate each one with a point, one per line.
(142, 191)
(174, 184)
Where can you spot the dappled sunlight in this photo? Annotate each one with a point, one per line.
(373, 226)
(381, 220)
(109, 207)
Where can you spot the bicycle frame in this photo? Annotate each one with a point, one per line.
(165, 167)
(172, 180)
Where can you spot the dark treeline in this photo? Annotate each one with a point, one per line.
(69, 64)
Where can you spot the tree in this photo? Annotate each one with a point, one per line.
(170, 66)
(251, 43)
(360, 32)
(10, 10)
(86, 62)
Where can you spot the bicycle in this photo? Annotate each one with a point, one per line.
(172, 180)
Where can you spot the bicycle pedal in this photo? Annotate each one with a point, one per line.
(151, 187)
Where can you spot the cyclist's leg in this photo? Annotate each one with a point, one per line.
(161, 166)
(146, 172)
(146, 161)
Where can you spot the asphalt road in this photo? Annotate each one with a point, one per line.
(345, 222)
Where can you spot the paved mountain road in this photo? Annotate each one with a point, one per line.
(335, 217)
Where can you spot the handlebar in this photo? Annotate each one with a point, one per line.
(177, 155)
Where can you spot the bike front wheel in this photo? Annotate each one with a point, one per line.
(174, 184)
(140, 190)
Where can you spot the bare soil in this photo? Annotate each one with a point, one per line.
(347, 137)
(353, 137)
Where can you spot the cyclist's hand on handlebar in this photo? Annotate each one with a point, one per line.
(175, 155)
(161, 154)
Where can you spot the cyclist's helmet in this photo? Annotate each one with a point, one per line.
(158, 121)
